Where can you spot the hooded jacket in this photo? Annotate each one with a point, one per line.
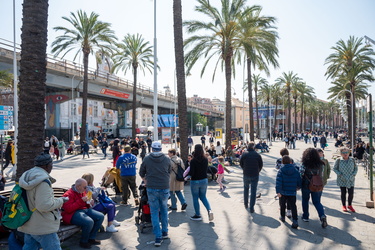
(74, 203)
(45, 219)
(288, 180)
(156, 168)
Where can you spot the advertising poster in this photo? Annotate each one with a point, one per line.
(166, 135)
(218, 133)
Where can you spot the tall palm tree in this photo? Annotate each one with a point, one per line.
(288, 79)
(87, 35)
(32, 83)
(351, 61)
(258, 39)
(265, 93)
(133, 53)
(276, 99)
(216, 37)
(180, 75)
(306, 95)
(312, 112)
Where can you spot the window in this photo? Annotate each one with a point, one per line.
(95, 109)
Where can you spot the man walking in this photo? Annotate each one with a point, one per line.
(127, 164)
(104, 147)
(155, 171)
(251, 163)
(41, 230)
(323, 141)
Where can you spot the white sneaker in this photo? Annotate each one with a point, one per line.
(116, 223)
(210, 215)
(289, 213)
(111, 229)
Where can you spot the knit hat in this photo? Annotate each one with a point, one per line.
(42, 159)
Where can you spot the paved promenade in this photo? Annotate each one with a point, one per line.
(233, 226)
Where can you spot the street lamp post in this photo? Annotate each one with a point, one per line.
(155, 81)
(15, 90)
(71, 108)
(369, 104)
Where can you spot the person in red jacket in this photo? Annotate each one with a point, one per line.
(78, 211)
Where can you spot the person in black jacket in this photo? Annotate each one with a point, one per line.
(251, 163)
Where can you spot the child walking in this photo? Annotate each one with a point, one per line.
(288, 180)
(220, 174)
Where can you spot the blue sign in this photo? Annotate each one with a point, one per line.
(6, 117)
(167, 121)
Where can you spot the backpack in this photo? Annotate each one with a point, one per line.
(46, 144)
(316, 182)
(180, 172)
(16, 209)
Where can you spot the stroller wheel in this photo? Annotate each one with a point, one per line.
(137, 220)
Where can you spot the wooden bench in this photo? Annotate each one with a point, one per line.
(65, 231)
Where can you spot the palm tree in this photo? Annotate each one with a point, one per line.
(258, 39)
(221, 40)
(312, 112)
(32, 83)
(180, 75)
(276, 99)
(133, 53)
(265, 93)
(306, 95)
(288, 80)
(87, 35)
(295, 94)
(352, 61)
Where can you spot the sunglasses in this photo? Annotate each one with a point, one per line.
(344, 152)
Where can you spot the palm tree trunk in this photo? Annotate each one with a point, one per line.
(268, 119)
(295, 115)
(274, 116)
(228, 101)
(32, 87)
(289, 113)
(180, 72)
(134, 108)
(256, 110)
(301, 128)
(249, 89)
(82, 136)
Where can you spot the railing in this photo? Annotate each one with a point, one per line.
(73, 68)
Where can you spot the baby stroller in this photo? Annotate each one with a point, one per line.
(143, 219)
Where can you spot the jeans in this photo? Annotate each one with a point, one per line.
(291, 201)
(104, 151)
(90, 221)
(199, 190)
(126, 182)
(322, 145)
(180, 197)
(46, 241)
(253, 181)
(315, 197)
(157, 199)
(109, 209)
(85, 153)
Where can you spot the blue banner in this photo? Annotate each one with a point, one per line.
(167, 121)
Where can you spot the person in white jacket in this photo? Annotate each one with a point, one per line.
(41, 230)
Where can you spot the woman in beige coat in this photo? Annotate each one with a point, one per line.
(175, 186)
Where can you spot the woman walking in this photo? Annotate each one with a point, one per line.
(199, 182)
(312, 165)
(346, 170)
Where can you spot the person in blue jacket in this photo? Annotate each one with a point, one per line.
(288, 180)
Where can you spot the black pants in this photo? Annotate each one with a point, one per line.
(126, 182)
(343, 195)
(291, 201)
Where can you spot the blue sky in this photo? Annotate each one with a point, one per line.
(307, 30)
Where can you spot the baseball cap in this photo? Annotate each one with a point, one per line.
(156, 146)
(42, 159)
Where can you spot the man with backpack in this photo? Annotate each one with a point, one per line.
(41, 229)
